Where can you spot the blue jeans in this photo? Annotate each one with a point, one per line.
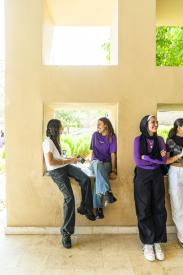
(101, 171)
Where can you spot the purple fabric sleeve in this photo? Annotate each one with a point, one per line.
(148, 162)
(137, 156)
(113, 145)
(162, 147)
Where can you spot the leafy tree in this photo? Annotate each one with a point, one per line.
(68, 119)
(169, 46)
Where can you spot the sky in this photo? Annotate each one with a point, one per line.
(71, 45)
(79, 45)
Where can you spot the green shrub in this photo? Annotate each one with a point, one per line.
(163, 131)
(76, 145)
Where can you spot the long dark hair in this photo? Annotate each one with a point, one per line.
(53, 132)
(177, 123)
(110, 128)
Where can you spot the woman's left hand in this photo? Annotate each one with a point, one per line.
(112, 176)
(163, 153)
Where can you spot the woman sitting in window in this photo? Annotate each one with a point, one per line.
(60, 169)
(104, 147)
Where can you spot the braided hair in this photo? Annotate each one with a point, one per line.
(53, 132)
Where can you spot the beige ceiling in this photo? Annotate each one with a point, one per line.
(169, 12)
(82, 12)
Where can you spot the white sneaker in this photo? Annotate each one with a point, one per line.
(159, 252)
(149, 252)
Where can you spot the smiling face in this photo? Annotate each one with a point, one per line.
(101, 127)
(152, 125)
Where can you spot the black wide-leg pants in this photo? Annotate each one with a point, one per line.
(149, 194)
(61, 177)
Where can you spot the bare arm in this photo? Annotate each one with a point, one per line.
(55, 162)
(174, 158)
(113, 162)
(113, 173)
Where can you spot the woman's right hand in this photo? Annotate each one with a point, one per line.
(74, 160)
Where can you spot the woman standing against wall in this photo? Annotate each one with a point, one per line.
(149, 192)
(175, 175)
(60, 169)
(104, 148)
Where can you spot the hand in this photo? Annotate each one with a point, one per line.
(74, 160)
(181, 154)
(142, 157)
(112, 176)
(163, 153)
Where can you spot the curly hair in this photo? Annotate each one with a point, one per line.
(109, 126)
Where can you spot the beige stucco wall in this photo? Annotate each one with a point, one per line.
(136, 85)
(169, 13)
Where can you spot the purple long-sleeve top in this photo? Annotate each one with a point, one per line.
(148, 163)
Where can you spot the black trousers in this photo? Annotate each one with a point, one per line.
(61, 177)
(149, 196)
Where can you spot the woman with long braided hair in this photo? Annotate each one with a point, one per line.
(60, 169)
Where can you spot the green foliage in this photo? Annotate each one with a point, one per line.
(169, 46)
(68, 119)
(107, 48)
(163, 131)
(76, 146)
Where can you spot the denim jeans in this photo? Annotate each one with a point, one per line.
(61, 177)
(101, 171)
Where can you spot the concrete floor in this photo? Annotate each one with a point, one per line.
(90, 255)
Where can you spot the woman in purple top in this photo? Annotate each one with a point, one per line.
(149, 192)
(104, 148)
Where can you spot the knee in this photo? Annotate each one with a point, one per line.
(99, 165)
(69, 198)
(86, 180)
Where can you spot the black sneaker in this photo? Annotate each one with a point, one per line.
(66, 241)
(180, 243)
(99, 213)
(90, 216)
(110, 197)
